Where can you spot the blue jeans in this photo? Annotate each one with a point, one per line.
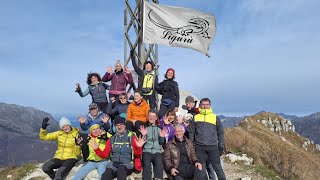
(89, 166)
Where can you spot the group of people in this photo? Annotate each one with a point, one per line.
(118, 137)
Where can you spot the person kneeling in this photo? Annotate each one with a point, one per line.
(122, 148)
(180, 158)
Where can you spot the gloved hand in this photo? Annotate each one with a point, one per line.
(45, 122)
(220, 150)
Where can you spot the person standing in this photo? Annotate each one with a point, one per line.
(97, 89)
(206, 131)
(148, 80)
(151, 150)
(169, 90)
(119, 78)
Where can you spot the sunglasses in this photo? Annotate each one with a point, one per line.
(122, 98)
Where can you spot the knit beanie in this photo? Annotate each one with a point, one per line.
(63, 121)
(118, 62)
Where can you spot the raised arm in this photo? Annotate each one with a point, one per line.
(102, 153)
(135, 65)
(48, 136)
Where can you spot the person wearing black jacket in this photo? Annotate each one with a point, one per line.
(169, 90)
(148, 80)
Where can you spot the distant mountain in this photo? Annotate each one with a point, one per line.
(271, 141)
(309, 126)
(230, 121)
(288, 117)
(19, 139)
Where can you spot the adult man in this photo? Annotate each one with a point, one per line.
(180, 158)
(95, 116)
(122, 148)
(190, 105)
(94, 161)
(207, 133)
(152, 148)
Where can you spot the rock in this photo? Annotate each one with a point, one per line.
(234, 158)
(245, 178)
(282, 138)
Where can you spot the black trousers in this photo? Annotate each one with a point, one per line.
(163, 109)
(84, 146)
(103, 106)
(121, 173)
(156, 160)
(63, 168)
(210, 153)
(134, 128)
(151, 99)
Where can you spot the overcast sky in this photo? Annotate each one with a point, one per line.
(265, 55)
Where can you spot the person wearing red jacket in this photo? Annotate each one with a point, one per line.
(124, 150)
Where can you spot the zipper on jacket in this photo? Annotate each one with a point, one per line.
(64, 145)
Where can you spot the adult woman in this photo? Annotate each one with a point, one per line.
(169, 90)
(148, 80)
(137, 113)
(119, 80)
(168, 121)
(97, 89)
(67, 152)
(120, 108)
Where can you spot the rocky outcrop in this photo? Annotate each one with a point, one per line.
(274, 122)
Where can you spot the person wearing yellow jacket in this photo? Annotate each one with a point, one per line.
(93, 160)
(67, 153)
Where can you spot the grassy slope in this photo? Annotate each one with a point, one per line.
(287, 158)
(17, 172)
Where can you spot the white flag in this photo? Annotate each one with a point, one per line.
(179, 27)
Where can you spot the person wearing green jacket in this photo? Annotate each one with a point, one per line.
(67, 152)
(152, 148)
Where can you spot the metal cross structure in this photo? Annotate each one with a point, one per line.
(133, 27)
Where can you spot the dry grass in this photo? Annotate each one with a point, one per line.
(16, 172)
(287, 158)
